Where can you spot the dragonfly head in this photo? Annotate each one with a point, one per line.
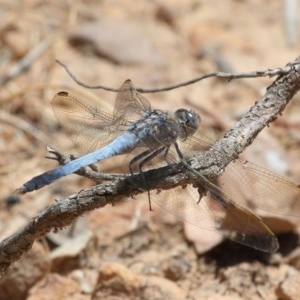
(189, 121)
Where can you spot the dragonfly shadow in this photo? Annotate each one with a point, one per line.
(229, 254)
(288, 242)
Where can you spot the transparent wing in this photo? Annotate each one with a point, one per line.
(217, 212)
(130, 104)
(261, 189)
(242, 185)
(89, 127)
(251, 185)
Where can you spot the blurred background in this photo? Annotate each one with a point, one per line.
(155, 44)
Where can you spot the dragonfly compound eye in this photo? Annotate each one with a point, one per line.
(189, 120)
(193, 120)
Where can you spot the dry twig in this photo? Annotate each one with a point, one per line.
(230, 76)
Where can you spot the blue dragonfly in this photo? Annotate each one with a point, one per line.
(134, 127)
(133, 124)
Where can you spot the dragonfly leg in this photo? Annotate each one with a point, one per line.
(150, 157)
(145, 157)
(213, 189)
(137, 158)
(143, 162)
(202, 192)
(134, 160)
(180, 155)
(166, 156)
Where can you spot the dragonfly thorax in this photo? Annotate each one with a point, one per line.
(156, 129)
(189, 122)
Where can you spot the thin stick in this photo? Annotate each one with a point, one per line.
(229, 76)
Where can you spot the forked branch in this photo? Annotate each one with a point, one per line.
(209, 163)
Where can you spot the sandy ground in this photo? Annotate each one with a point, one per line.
(128, 252)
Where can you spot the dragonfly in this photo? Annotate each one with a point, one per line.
(134, 127)
(133, 124)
